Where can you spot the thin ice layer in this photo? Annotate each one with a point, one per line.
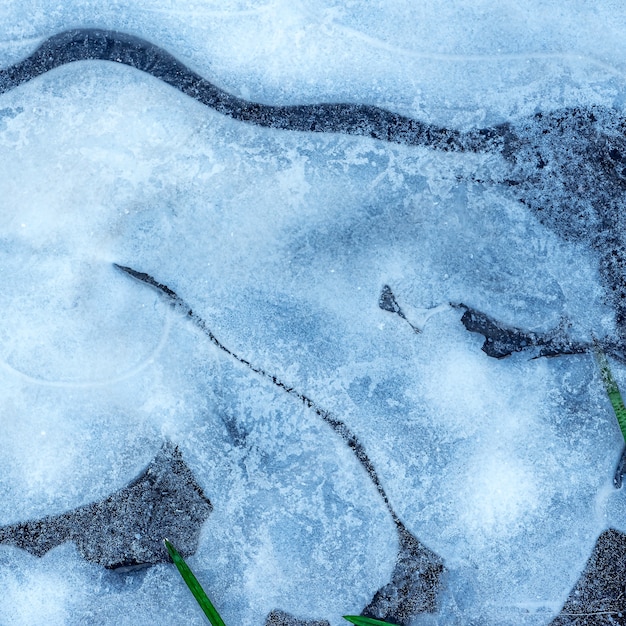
(286, 244)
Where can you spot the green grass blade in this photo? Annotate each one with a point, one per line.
(359, 620)
(194, 586)
(612, 389)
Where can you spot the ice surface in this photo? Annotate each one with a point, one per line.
(284, 242)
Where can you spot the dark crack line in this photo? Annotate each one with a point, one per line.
(345, 118)
(416, 576)
(337, 425)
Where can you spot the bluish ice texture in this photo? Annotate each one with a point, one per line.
(282, 242)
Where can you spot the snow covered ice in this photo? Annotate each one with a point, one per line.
(284, 242)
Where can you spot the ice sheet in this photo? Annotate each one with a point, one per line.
(282, 242)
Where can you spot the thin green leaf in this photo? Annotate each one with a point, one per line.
(194, 586)
(359, 620)
(612, 389)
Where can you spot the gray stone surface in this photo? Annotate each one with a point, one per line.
(414, 585)
(128, 527)
(280, 618)
(598, 598)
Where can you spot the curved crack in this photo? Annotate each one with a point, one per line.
(418, 570)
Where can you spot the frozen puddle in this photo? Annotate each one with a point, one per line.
(338, 353)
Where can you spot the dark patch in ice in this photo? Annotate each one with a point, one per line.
(352, 119)
(280, 618)
(599, 596)
(414, 585)
(127, 529)
(620, 471)
(387, 302)
(569, 167)
(417, 574)
(502, 340)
